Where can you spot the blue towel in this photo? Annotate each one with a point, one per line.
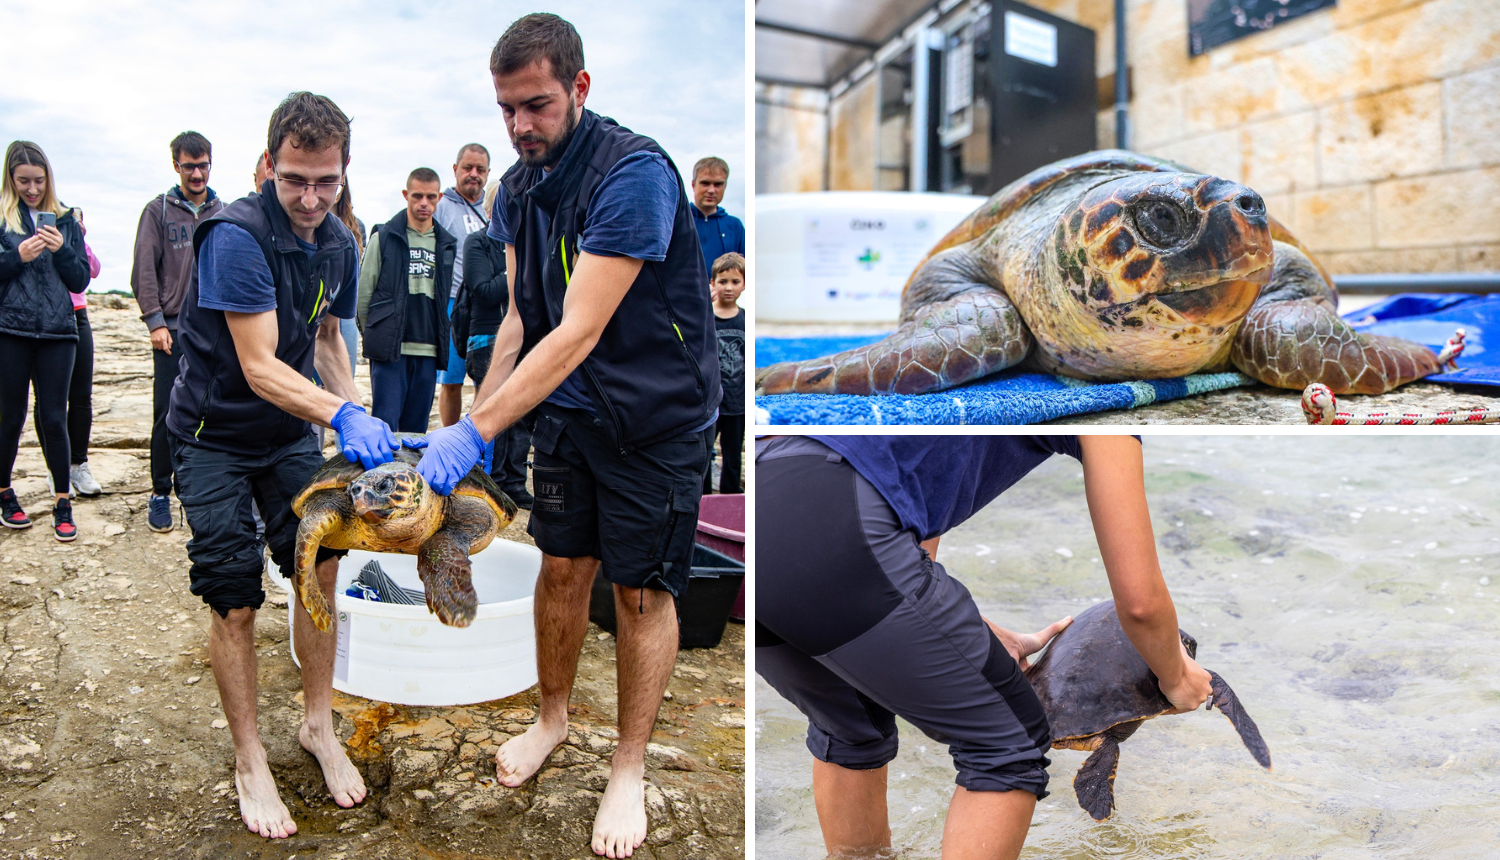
(1008, 397)
(1430, 318)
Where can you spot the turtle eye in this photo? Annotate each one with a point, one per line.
(385, 485)
(1161, 222)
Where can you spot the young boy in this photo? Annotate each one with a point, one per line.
(726, 283)
(403, 319)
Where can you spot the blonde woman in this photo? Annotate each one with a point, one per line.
(42, 260)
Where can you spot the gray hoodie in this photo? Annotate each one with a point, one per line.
(164, 255)
(460, 218)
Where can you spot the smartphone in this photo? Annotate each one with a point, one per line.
(46, 219)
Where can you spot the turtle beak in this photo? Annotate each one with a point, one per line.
(368, 509)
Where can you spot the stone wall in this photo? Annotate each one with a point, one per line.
(1371, 128)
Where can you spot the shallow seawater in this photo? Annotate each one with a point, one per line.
(1348, 589)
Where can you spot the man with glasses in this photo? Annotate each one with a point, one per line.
(275, 276)
(460, 213)
(163, 270)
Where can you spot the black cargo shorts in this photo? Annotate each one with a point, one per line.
(635, 512)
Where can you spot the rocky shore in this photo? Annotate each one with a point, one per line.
(112, 743)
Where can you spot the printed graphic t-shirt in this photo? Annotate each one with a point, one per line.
(732, 362)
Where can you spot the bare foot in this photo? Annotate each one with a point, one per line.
(520, 757)
(620, 826)
(344, 781)
(260, 806)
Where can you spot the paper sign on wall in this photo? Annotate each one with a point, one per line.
(853, 257)
(1030, 39)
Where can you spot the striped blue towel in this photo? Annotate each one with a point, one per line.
(1009, 397)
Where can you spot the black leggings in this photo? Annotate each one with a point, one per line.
(46, 366)
(80, 393)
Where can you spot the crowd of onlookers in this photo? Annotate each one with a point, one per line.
(432, 294)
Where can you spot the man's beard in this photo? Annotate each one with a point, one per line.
(553, 152)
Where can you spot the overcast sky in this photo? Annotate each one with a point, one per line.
(104, 87)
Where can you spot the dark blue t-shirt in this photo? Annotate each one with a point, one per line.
(936, 482)
(233, 275)
(630, 215)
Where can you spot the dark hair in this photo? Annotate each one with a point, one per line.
(476, 147)
(309, 122)
(192, 143)
(730, 262)
(539, 36)
(423, 174)
(712, 162)
(343, 209)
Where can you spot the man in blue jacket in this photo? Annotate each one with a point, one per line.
(610, 339)
(275, 276)
(718, 232)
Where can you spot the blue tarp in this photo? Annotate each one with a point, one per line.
(1008, 397)
(1430, 318)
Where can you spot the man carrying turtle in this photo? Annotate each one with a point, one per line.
(610, 338)
(855, 622)
(275, 276)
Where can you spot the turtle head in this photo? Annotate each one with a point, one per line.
(1170, 249)
(388, 491)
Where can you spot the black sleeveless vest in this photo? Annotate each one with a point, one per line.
(654, 373)
(212, 404)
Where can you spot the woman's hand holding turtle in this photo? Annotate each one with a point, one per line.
(366, 440)
(1023, 645)
(51, 238)
(32, 247)
(1191, 689)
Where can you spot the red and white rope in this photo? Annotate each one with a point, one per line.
(1320, 407)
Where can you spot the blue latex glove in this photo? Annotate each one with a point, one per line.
(451, 452)
(365, 440)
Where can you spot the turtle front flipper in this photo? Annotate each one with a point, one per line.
(1095, 783)
(318, 520)
(443, 562)
(1294, 337)
(954, 328)
(1229, 704)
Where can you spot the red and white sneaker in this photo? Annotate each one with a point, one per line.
(10, 511)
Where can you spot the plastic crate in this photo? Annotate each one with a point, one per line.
(703, 609)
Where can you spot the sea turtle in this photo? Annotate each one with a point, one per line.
(1097, 690)
(1114, 266)
(390, 508)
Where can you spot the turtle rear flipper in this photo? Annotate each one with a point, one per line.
(1293, 337)
(1095, 783)
(317, 520)
(954, 328)
(1227, 702)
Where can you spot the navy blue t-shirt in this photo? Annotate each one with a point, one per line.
(233, 275)
(936, 482)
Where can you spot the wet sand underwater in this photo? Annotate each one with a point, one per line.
(1348, 589)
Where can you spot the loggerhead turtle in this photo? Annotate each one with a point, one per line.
(1114, 266)
(1097, 690)
(390, 508)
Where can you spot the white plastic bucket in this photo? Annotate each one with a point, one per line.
(402, 654)
(844, 256)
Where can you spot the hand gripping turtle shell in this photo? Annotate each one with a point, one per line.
(1096, 690)
(1112, 266)
(390, 508)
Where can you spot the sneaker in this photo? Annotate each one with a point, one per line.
(523, 499)
(159, 515)
(83, 480)
(10, 511)
(62, 521)
(52, 491)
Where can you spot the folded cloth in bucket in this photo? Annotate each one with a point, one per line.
(1430, 319)
(1008, 397)
(372, 579)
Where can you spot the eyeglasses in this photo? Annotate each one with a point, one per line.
(321, 189)
(194, 167)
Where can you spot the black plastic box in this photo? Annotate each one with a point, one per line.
(703, 609)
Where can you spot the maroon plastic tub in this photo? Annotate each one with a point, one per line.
(721, 528)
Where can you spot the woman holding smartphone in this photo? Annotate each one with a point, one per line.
(42, 260)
